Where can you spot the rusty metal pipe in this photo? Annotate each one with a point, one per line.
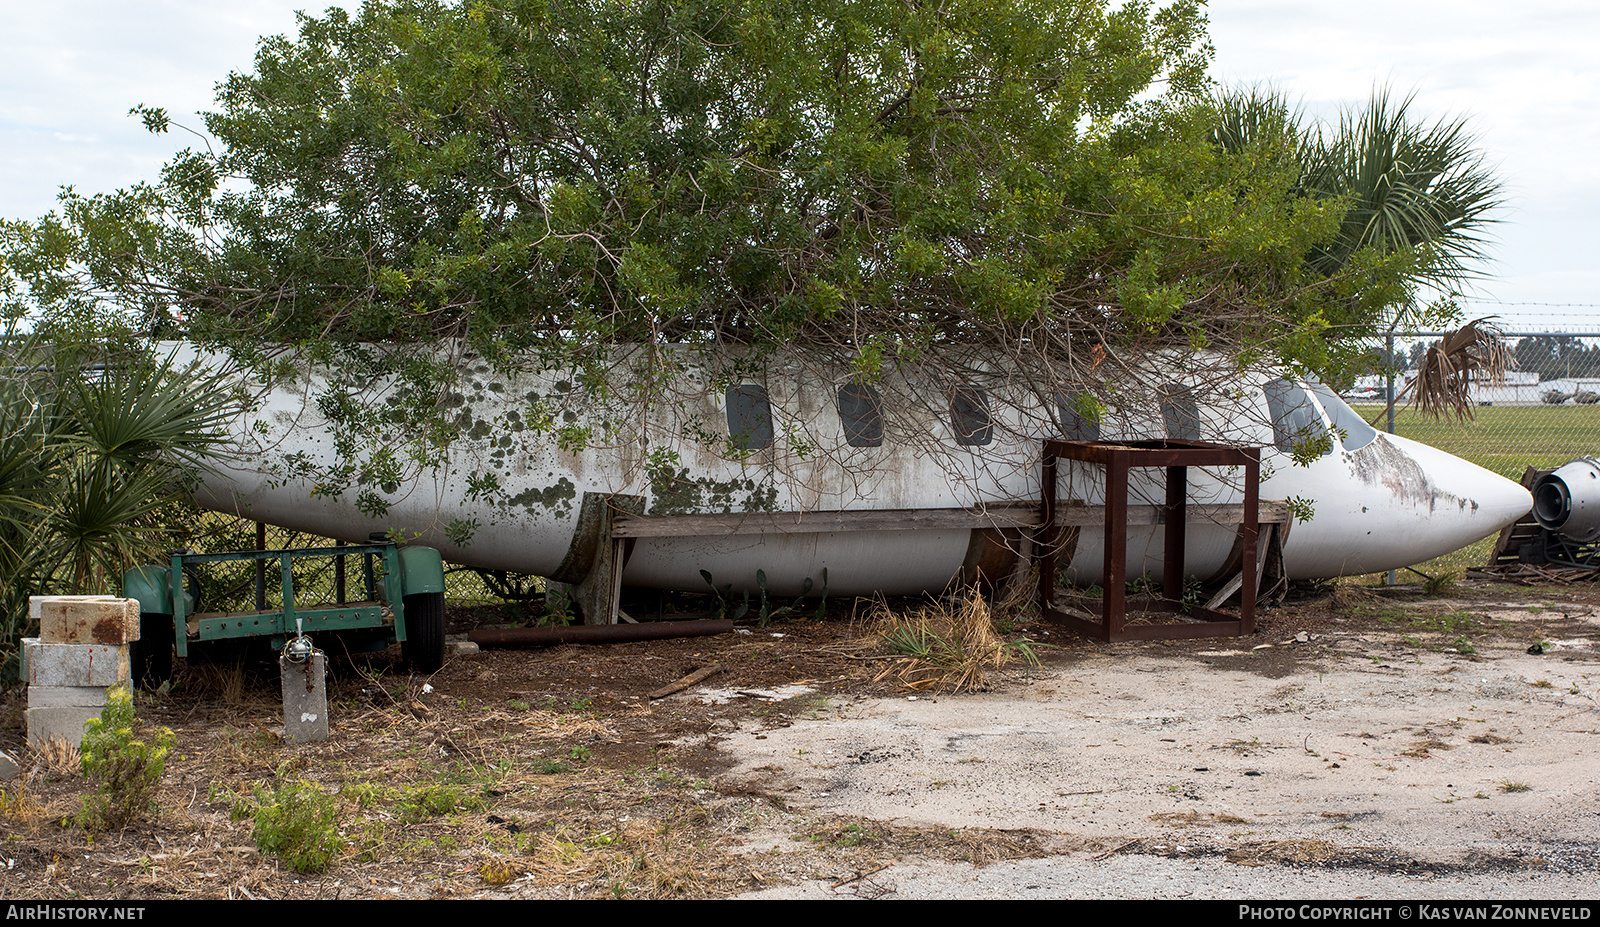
(597, 633)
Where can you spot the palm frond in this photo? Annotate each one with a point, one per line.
(1474, 353)
(1424, 189)
(142, 412)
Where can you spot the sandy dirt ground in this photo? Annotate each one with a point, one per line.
(1362, 744)
(1351, 760)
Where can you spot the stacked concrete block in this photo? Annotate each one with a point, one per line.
(81, 650)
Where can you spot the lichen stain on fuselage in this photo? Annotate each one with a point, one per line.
(556, 499)
(1381, 463)
(679, 494)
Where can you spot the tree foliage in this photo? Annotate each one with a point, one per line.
(572, 174)
(540, 181)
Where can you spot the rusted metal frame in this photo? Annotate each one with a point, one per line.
(1175, 457)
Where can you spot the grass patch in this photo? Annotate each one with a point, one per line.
(1504, 440)
(950, 644)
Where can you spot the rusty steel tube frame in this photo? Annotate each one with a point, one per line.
(1176, 457)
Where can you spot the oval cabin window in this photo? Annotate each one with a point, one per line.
(861, 413)
(749, 417)
(969, 416)
(1075, 426)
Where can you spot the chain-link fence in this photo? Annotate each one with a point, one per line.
(1545, 413)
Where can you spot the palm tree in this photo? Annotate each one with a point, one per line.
(1410, 187)
(1423, 191)
(90, 457)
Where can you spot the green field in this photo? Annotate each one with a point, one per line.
(1505, 439)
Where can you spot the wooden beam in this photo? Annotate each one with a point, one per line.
(1008, 515)
(657, 526)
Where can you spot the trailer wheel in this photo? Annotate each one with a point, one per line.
(423, 647)
(151, 654)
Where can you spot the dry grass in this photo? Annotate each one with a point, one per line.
(225, 680)
(1290, 852)
(58, 759)
(951, 644)
(1196, 818)
(20, 808)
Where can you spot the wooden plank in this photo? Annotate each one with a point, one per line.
(655, 526)
(994, 516)
(1085, 516)
(1233, 585)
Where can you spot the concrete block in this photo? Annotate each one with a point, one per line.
(28, 643)
(66, 696)
(305, 699)
(85, 619)
(9, 767)
(75, 664)
(65, 722)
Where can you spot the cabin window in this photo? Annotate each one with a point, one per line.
(1179, 412)
(861, 412)
(1296, 424)
(1357, 433)
(969, 416)
(1075, 426)
(749, 417)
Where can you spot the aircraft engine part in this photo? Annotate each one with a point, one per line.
(1567, 501)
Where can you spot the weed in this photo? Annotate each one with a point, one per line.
(124, 770)
(1440, 583)
(496, 872)
(1463, 645)
(1509, 785)
(1542, 684)
(550, 767)
(433, 801)
(580, 754)
(296, 821)
(850, 835)
(20, 808)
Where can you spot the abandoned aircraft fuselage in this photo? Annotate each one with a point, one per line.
(797, 440)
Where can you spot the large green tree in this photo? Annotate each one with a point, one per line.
(864, 179)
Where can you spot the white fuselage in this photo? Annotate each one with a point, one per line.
(509, 497)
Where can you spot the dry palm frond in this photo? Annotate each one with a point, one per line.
(1474, 353)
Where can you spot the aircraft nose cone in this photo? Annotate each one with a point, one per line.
(1454, 502)
(1485, 500)
(1395, 503)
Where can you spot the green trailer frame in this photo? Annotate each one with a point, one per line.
(403, 591)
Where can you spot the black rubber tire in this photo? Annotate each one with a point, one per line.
(151, 654)
(423, 647)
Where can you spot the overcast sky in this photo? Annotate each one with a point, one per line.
(1524, 73)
